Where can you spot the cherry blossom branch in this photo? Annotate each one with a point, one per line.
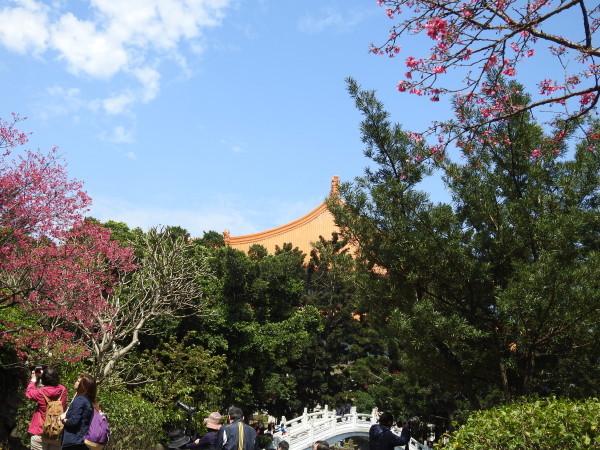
(477, 37)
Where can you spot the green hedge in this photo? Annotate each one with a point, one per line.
(547, 424)
(134, 422)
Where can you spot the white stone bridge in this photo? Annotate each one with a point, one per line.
(325, 425)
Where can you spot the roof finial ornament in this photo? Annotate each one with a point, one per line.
(335, 186)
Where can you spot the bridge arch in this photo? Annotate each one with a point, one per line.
(325, 425)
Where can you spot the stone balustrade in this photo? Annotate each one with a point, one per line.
(325, 425)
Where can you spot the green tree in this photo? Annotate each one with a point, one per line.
(265, 324)
(497, 291)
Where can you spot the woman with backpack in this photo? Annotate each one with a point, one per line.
(51, 396)
(78, 417)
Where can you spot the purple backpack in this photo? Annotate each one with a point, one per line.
(99, 431)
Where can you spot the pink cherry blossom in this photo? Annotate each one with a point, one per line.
(436, 28)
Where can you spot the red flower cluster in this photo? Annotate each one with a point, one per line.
(52, 262)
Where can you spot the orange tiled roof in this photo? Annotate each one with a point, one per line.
(301, 232)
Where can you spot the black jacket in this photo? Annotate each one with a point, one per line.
(207, 442)
(228, 437)
(382, 438)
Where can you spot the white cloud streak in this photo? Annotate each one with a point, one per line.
(330, 19)
(196, 221)
(118, 103)
(120, 135)
(128, 37)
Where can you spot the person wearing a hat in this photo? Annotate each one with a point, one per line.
(209, 440)
(177, 439)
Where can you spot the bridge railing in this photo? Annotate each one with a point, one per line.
(324, 424)
(325, 414)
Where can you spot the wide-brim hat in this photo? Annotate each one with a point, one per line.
(177, 439)
(213, 421)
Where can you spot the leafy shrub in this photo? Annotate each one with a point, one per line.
(134, 422)
(545, 424)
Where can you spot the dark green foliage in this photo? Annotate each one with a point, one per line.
(498, 291)
(266, 327)
(181, 370)
(212, 239)
(546, 424)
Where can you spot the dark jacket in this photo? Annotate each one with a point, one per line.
(207, 442)
(382, 438)
(228, 436)
(79, 417)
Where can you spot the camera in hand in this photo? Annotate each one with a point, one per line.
(187, 408)
(37, 368)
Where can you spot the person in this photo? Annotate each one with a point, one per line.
(78, 417)
(209, 440)
(381, 436)
(177, 439)
(44, 385)
(270, 428)
(321, 445)
(99, 432)
(236, 435)
(283, 445)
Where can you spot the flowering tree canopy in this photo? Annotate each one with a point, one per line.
(486, 41)
(53, 263)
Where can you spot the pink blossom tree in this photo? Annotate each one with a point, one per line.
(485, 43)
(53, 263)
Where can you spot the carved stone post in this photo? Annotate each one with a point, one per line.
(374, 415)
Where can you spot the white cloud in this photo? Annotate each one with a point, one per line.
(129, 37)
(119, 103)
(24, 27)
(59, 101)
(131, 156)
(86, 49)
(330, 19)
(59, 91)
(120, 135)
(235, 147)
(149, 78)
(196, 221)
(159, 23)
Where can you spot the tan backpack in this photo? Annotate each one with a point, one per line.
(53, 426)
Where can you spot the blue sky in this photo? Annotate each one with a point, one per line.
(210, 114)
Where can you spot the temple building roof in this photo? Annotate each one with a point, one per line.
(301, 232)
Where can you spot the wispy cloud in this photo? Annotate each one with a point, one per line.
(117, 103)
(129, 37)
(59, 101)
(235, 147)
(331, 19)
(119, 135)
(196, 221)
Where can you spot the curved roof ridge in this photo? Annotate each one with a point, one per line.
(281, 229)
